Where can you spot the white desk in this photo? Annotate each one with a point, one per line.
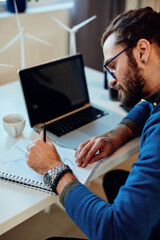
(17, 203)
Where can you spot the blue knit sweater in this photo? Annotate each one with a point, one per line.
(135, 212)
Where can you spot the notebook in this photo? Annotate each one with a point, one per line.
(13, 167)
(57, 90)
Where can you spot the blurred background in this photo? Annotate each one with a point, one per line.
(37, 22)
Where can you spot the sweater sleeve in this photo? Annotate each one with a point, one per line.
(137, 117)
(136, 209)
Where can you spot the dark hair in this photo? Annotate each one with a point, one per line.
(133, 25)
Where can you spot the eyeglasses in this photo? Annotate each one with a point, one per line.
(105, 65)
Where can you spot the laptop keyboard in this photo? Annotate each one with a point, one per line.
(74, 121)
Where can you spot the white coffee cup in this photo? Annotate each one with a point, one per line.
(14, 124)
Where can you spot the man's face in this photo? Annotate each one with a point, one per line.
(128, 78)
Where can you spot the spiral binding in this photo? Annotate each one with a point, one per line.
(24, 182)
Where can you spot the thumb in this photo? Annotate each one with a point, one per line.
(48, 141)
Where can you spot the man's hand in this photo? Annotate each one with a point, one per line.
(42, 156)
(97, 148)
(93, 150)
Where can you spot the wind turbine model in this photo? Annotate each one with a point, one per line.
(73, 31)
(21, 35)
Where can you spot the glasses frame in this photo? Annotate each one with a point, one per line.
(105, 65)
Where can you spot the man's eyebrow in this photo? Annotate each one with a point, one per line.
(108, 61)
(111, 59)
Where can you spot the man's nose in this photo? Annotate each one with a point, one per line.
(112, 81)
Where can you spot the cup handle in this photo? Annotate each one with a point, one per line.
(14, 131)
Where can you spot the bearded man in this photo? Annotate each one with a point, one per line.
(131, 47)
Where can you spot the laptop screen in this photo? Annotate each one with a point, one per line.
(55, 88)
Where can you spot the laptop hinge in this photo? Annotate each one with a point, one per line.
(39, 125)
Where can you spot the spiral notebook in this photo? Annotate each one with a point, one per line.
(13, 167)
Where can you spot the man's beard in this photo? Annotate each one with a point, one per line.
(134, 83)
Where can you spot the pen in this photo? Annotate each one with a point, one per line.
(44, 133)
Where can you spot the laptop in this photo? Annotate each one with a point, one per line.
(56, 94)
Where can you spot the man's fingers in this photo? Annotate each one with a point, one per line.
(97, 157)
(87, 153)
(29, 147)
(83, 153)
(26, 154)
(48, 141)
(90, 154)
(94, 152)
(78, 150)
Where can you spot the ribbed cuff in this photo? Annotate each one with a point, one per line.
(67, 190)
(131, 124)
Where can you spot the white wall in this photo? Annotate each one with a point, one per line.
(40, 25)
(155, 4)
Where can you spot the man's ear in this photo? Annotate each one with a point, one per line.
(143, 50)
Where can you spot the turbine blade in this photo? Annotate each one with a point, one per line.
(75, 28)
(6, 65)
(17, 16)
(37, 39)
(60, 23)
(11, 42)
